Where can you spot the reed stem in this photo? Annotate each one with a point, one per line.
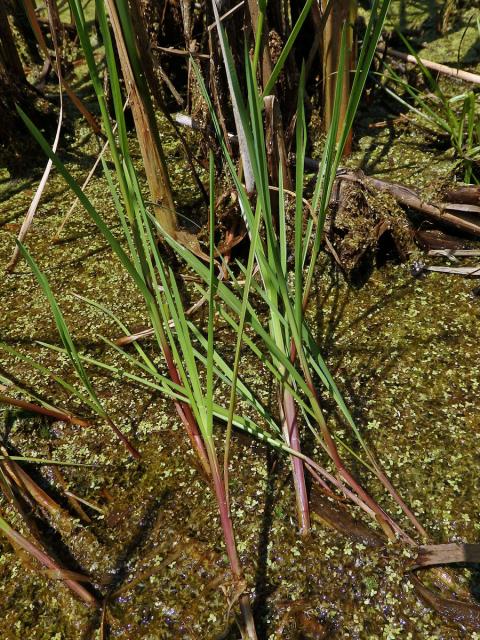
(229, 537)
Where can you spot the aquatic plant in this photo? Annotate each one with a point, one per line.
(156, 282)
(289, 338)
(292, 333)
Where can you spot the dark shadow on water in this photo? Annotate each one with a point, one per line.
(24, 385)
(330, 305)
(139, 538)
(263, 588)
(16, 186)
(329, 312)
(368, 164)
(475, 582)
(51, 539)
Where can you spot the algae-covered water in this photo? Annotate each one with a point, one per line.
(404, 352)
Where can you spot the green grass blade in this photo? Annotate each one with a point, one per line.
(287, 48)
(211, 295)
(64, 332)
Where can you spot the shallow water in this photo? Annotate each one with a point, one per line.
(405, 353)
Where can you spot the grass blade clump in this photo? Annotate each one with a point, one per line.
(163, 301)
(288, 333)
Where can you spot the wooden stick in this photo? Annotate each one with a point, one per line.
(454, 252)
(409, 198)
(226, 15)
(467, 76)
(182, 52)
(452, 553)
(466, 194)
(459, 271)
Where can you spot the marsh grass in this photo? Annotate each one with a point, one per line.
(289, 339)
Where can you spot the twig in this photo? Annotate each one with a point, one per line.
(461, 271)
(226, 15)
(407, 197)
(448, 253)
(88, 503)
(182, 52)
(452, 553)
(467, 76)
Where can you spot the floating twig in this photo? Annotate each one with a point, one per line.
(462, 220)
(451, 553)
(454, 253)
(418, 268)
(466, 76)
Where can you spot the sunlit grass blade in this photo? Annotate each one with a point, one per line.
(237, 101)
(287, 48)
(89, 208)
(46, 461)
(211, 301)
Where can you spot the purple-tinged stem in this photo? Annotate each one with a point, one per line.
(51, 413)
(229, 537)
(292, 438)
(186, 414)
(128, 445)
(17, 539)
(341, 468)
(193, 433)
(335, 456)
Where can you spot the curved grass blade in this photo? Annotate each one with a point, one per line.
(72, 351)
